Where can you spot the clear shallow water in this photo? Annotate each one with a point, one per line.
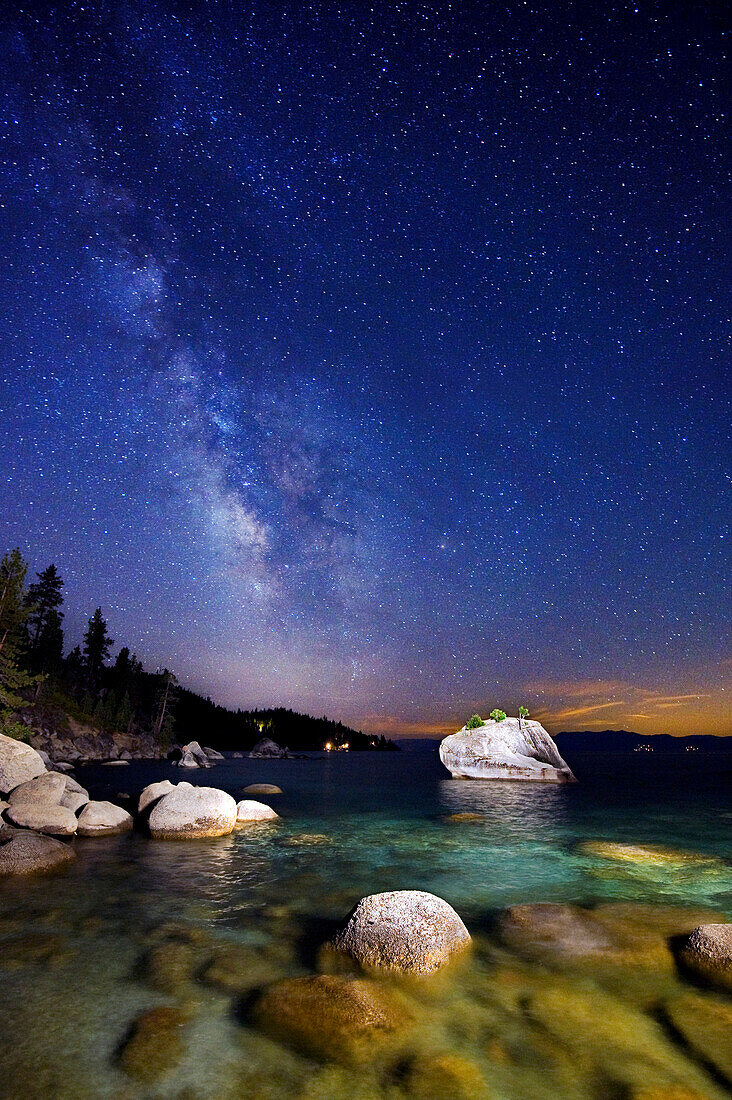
(139, 923)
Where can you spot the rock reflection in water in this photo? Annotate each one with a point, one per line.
(511, 811)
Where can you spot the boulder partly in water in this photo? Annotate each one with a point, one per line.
(103, 819)
(707, 953)
(30, 853)
(188, 813)
(408, 931)
(249, 810)
(268, 748)
(513, 748)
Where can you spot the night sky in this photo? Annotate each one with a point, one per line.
(368, 358)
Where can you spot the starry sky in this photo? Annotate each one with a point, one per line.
(368, 358)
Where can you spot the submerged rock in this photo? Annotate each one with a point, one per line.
(43, 817)
(437, 1076)
(190, 812)
(263, 788)
(706, 1026)
(18, 763)
(707, 953)
(337, 1018)
(511, 749)
(404, 930)
(155, 1045)
(103, 819)
(30, 854)
(647, 854)
(249, 810)
(547, 931)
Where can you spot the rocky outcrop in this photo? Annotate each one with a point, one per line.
(249, 810)
(267, 748)
(43, 817)
(213, 754)
(63, 738)
(19, 763)
(262, 788)
(707, 954)
(409, 931)
(193, 756)
(30, 854)
(340, 1019)
(511, 749)
(190, 812)
(103, 819)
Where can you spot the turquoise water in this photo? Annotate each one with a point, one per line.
(136, 924)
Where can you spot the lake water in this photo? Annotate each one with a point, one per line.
(201, 926)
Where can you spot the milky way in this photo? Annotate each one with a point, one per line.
(368, 359)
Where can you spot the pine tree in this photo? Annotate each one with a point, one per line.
(13, 615)
(123, 717)
(96, 645)
(45, 635)
(165, 701)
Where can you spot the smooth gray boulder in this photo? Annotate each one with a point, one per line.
(49, 787)
(152, 792)
(409, 931)
(707, 953)
(191, 812)
(512, 749)
(43, 817)
(249, 810)
(103, 819)
(74, 800)
(18, 763)
(29, 853)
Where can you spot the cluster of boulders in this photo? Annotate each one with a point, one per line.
(269, 749)
(194, 755)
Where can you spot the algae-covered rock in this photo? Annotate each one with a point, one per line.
(437, 1076)
(104, 819)
(155, 1045)
(404, 930)
(547, 931)
(170, 965)
(655, 855)
(236, 968)
(705, 1024)
(30, 854)
(343, 1019)
(707, 953)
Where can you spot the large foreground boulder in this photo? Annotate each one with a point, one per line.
(190, 812)
(409, 931)
(18, 763)
(43, 817)
(29, 853)
(103, 819)
(511, 749)
(707, 953)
